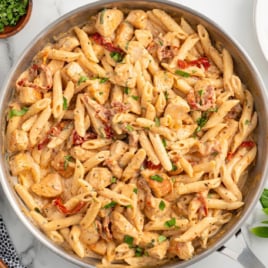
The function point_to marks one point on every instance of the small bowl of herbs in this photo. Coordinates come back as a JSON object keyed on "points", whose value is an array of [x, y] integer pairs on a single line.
{"points": [[14, 15]]}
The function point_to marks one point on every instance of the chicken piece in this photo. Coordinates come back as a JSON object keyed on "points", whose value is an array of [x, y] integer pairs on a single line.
{"points": [[184, 250], [68, 43], [159, 251], [18, 141], [125, 75], [144, 37], [121, 227], [99, 90], [63, 164], [29, 95], [123, 251], [148, 239], [108, 20], [161, 186], [137, 52], [178, 109], [163, 81], [138, 18], [90, 235], [124, 34], [99, 178], [24, 162], [73, 71], [100, 247], [50, 186]]}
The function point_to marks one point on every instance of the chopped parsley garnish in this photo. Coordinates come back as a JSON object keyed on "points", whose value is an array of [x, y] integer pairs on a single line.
{"points": [[174, 167], [129, 128], [126, 90], [164, 142], [135, 190], [67, 159], [14, 112], [103, 80], [162, 205], [157, 122], [247, 122], [135, 97], [170, 223], [166, 95], [65, 103], [110, 205], [11, 11], [182, 73], [201, 92], [161, 238], [116, 56], [201, 121], [82, 79], [113, 180], [156, 178], [139, 251], [129, 240]]}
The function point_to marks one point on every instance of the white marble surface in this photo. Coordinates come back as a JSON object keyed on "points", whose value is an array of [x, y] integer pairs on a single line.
{"points": [[234, 16]]}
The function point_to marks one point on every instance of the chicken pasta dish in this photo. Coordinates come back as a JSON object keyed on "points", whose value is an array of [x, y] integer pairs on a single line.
{"points": [[130, 137]]}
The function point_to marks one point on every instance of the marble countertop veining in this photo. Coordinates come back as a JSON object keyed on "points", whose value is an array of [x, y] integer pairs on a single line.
{"points": [[234, 16]]}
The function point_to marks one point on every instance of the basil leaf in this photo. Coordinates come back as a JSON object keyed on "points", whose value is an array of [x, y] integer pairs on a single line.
{"points": [[135, 97], [264, 198], [156, 178], [129, 128], [113, 180], [260, 231], [67, 159], [126, 90]]}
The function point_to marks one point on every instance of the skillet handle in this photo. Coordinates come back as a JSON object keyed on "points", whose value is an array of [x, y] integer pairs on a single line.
{"points": [[246, 257]]}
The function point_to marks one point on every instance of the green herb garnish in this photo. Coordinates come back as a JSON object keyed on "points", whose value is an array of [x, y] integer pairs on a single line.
{"points": [[201, 121], [67, 159], [139, 251], [174, 167], [129, 128], [116, 56], [126, 90], [157, 122], [14, 112], [170, 223], [156, 178], [161, 238], [110, 205], [82, 79], [262, 231], [164, 142], [135, 190], [65, 103], [103, 80], [129, 240], [162, 205], [113, 180], [11, 11], [182, 73], [135, 97], [247, 122]]}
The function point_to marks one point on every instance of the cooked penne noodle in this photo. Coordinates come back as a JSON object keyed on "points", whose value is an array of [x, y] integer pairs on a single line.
{"points": [[131, 134]]}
